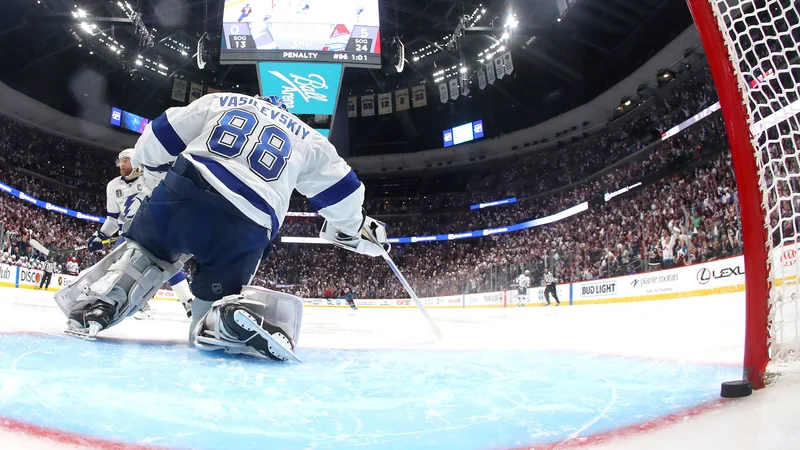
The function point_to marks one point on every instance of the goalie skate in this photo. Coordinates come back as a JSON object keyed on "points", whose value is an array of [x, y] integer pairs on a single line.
{"points": [[278, 344], [87, 334]]}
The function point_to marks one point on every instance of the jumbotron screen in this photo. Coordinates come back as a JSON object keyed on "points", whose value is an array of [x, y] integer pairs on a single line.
{"points": [[338, 31]]}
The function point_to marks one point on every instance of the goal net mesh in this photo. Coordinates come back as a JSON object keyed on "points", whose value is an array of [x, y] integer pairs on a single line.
{"points": [[762, 39]]}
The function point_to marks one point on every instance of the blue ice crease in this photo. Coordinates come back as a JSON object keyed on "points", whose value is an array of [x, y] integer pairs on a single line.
{"points": [[173, 396]]}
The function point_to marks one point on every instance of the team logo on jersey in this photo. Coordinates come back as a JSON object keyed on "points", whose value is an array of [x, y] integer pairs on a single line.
{"points": [[118, 193], [216, 288]]}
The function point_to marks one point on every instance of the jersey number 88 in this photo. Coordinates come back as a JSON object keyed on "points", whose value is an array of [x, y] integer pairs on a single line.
{"points": [[232, 134]]}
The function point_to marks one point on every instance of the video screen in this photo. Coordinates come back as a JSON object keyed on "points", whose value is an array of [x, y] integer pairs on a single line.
{"points": [[342, 31], [128, 120], [463, 133]]}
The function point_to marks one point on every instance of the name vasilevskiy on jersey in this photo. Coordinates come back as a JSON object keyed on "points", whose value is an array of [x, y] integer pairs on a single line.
{"points": [[295, 126]]}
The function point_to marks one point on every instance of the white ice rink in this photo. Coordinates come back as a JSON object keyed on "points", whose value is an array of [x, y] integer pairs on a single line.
{"points": [[627, 344]]}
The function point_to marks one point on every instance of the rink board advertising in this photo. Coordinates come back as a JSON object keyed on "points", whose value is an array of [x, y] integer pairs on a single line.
{"points": [[345, 32]]}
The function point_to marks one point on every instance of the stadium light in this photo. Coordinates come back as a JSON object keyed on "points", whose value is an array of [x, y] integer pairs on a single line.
{"points": [[463, 70], [504, 36], [81, 13], [86, 27]]}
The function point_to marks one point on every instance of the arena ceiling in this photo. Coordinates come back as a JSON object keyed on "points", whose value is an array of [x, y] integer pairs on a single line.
{"points": [[561, 58]]}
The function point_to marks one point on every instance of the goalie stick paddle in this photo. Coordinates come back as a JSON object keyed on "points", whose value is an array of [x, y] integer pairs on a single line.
{"points": [[407, 287]]}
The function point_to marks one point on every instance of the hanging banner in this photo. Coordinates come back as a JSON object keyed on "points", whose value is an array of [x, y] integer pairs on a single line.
{"points": [[499, 68], [385, 103], [508, 64], [418, 96], [443, 92], [490, 72], [368, 105], [401, 100], [213, 90], [179, 88], [481, 78], [195, 92], [352, 110], [453, 88], [465, 86]]}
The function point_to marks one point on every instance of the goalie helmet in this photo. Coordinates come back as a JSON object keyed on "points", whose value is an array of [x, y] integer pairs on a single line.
{"points": [[274, 100]]}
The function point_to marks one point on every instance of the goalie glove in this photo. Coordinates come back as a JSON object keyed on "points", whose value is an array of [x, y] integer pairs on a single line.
{"points": [[370, 241], [96, 241]]}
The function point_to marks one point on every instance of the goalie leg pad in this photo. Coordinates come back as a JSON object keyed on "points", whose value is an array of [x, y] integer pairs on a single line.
{"points": [[257, 322], [121, 283]]}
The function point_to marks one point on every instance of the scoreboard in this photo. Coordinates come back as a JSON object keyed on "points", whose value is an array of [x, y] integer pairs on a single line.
{"points": [[346, 32]]}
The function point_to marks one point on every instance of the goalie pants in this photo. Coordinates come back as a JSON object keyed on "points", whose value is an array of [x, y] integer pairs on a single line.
{"points": [[185, 215]]}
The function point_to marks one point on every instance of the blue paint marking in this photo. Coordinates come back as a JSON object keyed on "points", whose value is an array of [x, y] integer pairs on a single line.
{"points": [[173, 396]]}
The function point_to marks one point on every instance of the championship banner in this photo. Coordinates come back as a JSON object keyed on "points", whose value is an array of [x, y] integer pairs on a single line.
{"points": [[401, 100], [453, 88], [368, 105], [508, 64], [352, 110], [418, 96], [385, 103], [196, 92], [213, 90], [305, 88], [443, 92], [498, 66], [481, 78], [465, 86], [490, 72], [179, 88]]}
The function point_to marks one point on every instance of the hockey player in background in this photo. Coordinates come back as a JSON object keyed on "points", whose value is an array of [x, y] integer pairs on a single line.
{"points": [[523, 283], [346, 292], [229, 164], [550, 287], [124, 194]]}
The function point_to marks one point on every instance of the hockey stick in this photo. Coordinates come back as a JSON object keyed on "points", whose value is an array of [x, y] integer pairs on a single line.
{"points": [[407, 287], [79, 248]]}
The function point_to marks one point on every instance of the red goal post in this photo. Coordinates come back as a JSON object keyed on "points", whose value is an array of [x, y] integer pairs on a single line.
{"points": [[752, 49]]}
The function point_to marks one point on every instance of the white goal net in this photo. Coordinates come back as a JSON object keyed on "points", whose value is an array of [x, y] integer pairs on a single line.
{"points": [[761, 41]]}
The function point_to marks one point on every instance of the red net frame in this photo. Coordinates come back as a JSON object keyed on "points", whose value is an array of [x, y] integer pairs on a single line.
{"points": [[735, 114]]}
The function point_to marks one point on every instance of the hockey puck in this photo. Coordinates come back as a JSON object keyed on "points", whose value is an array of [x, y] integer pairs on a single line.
{"points": [[736, 389]]}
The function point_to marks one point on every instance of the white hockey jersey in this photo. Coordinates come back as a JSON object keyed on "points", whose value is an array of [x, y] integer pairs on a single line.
{"points": [[254, 154], [523, 281], [122, 202]]}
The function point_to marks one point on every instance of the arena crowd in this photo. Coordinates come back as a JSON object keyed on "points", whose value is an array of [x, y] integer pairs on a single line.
{"points": [[684, 212]]}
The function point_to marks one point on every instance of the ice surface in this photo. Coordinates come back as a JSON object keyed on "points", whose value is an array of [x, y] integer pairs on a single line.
{"points": [[500, 379]]}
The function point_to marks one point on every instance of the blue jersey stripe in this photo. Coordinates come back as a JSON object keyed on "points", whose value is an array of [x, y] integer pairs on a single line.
{"points": [[236, 185], [161, 168], [113, 215], [336, 193], [167, 136]]}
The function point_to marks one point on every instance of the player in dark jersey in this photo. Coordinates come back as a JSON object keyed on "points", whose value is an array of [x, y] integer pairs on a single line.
{"points": [[346, 292]]}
